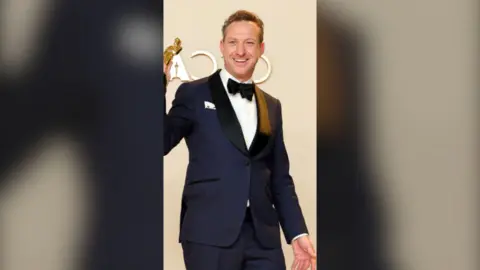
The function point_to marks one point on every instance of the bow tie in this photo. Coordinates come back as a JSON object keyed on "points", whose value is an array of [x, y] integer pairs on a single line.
{"points": [[245, 90]]}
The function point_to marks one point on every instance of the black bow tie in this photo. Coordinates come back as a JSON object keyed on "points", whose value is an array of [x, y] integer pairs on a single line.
{"points": [[245, 90]]}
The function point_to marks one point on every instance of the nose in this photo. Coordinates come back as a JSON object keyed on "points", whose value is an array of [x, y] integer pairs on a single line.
{"points": [[240, 50]]}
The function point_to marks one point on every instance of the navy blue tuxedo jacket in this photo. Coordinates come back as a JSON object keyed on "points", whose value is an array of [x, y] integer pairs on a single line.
{"points": [[223, 174]]}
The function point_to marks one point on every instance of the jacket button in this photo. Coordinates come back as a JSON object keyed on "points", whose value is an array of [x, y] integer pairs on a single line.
{"points": [[247, 162]]}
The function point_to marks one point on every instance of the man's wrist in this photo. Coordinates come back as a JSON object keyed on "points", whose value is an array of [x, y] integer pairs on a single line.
{"points": [[298, 236]]}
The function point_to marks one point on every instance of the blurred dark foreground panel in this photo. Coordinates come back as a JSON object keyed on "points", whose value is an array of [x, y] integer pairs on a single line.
{"points": [[89, 71], [348, 211]]}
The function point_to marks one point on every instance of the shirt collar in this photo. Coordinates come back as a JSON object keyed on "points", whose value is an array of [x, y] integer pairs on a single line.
{"points": [[225, 75]]}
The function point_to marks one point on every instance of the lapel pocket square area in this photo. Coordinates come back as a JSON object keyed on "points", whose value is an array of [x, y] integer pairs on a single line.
{"points": [[209, 105]]}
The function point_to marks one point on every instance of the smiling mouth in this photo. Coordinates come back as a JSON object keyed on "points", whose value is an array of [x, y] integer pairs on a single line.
{"points": [[241, 61]]}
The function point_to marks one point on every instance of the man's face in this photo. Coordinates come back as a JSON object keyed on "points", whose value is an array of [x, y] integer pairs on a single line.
{"points": [[241, 49]]}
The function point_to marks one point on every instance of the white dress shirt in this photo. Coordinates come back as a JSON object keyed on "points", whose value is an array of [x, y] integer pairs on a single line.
{"points": [[246, 112], [245, 109]]}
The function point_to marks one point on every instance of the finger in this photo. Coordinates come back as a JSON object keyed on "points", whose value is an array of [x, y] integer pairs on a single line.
{"points": [[303, 265], [312, 252], [294, 264], [314, 264], [166, 68]]}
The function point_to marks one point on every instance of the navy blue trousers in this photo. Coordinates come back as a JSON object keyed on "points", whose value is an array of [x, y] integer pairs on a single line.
{"points": [[245, 254]]}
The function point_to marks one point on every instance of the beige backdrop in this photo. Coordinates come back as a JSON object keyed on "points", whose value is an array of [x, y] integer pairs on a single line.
{"points": [[422, 92], [291, 49]]}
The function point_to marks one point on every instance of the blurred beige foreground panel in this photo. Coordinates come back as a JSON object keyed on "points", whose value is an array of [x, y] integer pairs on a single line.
{"points": [[22, 25], [422, 85], [43, 209]]}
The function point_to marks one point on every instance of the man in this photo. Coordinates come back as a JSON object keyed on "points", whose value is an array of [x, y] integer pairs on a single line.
{"points": [[238, 187]]}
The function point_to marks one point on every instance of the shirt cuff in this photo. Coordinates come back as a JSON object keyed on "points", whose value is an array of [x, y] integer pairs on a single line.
{"points": [[298, 236]]}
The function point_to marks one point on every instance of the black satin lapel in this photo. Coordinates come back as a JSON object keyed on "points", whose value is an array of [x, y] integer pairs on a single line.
{"points": [[264, 127], [226, 115]]}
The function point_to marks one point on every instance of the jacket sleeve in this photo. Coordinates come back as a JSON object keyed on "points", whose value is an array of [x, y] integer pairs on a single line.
{"points": [[179, 121], [285, 198]]}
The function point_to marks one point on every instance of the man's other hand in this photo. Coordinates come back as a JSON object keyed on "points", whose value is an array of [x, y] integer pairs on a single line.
{"points": [[304, 254]]}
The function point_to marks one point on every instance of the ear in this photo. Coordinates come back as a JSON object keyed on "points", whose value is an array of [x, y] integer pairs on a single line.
{"points": [[262, 48], [221, 46]]}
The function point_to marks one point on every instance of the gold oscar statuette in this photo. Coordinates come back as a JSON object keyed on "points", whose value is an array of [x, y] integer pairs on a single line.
{"points": [[172, 50]]}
